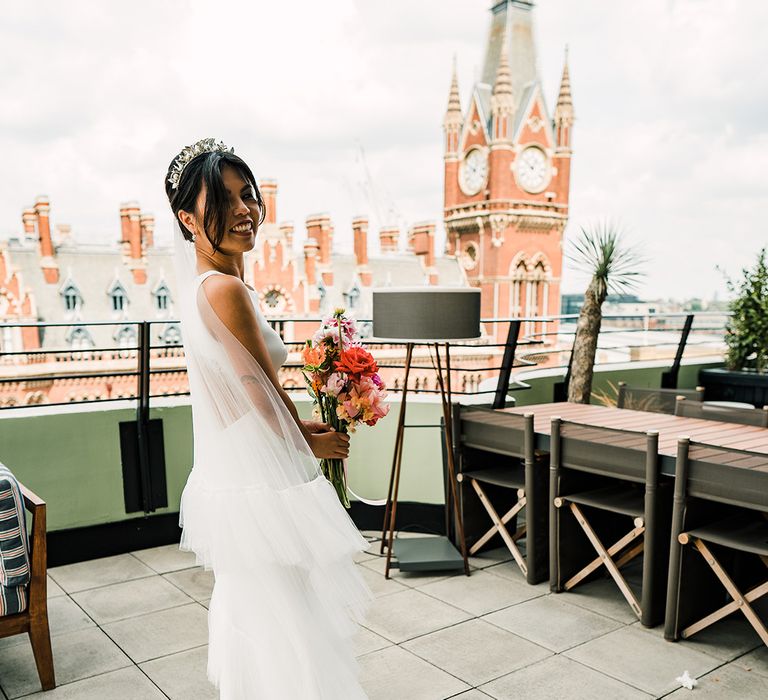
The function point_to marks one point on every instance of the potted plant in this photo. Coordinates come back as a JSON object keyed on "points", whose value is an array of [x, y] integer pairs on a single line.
{"points": [[613, 267], [745, 375]]}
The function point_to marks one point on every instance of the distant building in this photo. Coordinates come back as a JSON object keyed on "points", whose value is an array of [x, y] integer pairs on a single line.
{"points": [[507, 180], [47, 276]]}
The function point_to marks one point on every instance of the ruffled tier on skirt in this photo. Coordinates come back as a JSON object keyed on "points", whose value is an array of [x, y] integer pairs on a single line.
{"points": [[288, 597]]}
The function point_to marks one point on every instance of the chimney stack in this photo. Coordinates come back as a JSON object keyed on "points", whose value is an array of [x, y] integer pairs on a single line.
{"points": [[310, 271], [320, 228], [389, 238], [268, 189], [422, 239], [125, 230], [286, 231], [360, 234], [132, 224], [29, 217], [147, 222], [47, 262]]}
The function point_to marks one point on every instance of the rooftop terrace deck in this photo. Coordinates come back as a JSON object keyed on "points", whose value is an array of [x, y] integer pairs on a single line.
{"points": [[134, 626]]}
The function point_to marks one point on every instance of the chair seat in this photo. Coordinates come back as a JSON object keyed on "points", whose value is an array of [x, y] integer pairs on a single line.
{"points": [[740, 532], [620, 498], [510, 478]]}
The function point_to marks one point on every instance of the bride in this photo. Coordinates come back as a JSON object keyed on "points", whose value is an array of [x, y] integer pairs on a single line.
{"points": [[256, 509]]}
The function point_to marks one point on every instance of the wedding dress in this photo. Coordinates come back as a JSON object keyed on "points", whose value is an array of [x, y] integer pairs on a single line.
{"points": [[257, 510]]}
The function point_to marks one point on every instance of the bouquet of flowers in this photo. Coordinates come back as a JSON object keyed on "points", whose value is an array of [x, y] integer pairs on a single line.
{"points": [[343, 380]]}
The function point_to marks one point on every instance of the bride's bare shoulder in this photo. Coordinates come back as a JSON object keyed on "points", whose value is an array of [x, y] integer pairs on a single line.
{"points": [[228, 294]]}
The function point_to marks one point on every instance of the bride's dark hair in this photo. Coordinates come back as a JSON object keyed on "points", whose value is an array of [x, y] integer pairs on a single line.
{"points": [[206, 169]]}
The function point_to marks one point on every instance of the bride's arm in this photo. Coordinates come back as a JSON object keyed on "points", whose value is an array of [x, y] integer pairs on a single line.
{"points": [[231, 302]]}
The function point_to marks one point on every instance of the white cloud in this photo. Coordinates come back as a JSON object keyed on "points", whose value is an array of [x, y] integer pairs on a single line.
{"points": [[670, 98]]}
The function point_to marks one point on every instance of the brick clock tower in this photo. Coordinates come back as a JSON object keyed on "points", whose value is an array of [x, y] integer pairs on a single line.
{"points": [[507, 176]]}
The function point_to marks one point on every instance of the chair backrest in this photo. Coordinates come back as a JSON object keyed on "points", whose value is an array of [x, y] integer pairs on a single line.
{"points": [[722, 474], [15, 567], [624, 454], [725, 414], [654, 400], [497, 431]]}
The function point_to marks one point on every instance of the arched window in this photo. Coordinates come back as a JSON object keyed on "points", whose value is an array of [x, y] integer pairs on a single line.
{"points": [[125, 336], [80, 339], [272, 299], [323, 292], [172, 335]]}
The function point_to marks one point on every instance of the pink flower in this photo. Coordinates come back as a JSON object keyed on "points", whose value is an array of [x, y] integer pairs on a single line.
{"points": [[329, 330], [334, 384]]}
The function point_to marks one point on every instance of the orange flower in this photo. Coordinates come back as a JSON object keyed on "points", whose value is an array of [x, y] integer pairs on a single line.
{"points": [[357, 361], [313, 356]]}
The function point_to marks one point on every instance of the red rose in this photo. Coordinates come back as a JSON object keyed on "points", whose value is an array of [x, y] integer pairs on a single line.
{"points": [[357, 361]]}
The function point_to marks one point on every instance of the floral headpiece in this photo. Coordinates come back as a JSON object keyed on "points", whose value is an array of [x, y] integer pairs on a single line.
{"points": [[189, 152]]}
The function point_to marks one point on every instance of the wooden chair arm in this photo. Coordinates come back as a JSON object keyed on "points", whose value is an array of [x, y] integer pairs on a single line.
{"points": [[38, 547], [31, 499]]}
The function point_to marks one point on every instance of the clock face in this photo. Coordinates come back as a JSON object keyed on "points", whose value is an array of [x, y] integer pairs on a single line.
{"points": [[533, 172], [474, 171]]}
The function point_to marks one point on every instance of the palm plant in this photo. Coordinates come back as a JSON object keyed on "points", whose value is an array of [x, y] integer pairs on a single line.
{"points": [[613, 267]]}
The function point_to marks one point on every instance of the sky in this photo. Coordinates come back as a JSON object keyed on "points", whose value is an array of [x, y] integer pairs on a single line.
{"points": [[342, 103]]}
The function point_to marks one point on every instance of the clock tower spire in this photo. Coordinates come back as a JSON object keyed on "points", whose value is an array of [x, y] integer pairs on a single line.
{"points": [[507, 176], [452, 125]]}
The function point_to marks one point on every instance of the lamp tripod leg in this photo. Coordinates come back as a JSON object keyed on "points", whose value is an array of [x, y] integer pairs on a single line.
{"points": [[394, 479], [448, 437]]}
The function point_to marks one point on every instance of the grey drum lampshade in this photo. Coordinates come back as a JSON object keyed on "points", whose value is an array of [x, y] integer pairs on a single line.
{"points": [[426, 313]]}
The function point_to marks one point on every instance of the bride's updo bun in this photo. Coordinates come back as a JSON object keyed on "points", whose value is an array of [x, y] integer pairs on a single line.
{"points": [[205, 170]]}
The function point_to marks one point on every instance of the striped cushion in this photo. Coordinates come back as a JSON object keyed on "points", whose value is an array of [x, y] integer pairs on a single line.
{"points": [[14, 546]]}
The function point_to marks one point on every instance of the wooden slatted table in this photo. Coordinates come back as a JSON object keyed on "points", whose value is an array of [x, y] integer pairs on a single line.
{"points": [[670, 428]]}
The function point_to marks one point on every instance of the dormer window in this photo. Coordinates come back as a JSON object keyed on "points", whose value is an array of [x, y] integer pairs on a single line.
{"points": [[71, 297], [119, 300], [353, 297], [118, 297], [162, 297], [322, 293]]}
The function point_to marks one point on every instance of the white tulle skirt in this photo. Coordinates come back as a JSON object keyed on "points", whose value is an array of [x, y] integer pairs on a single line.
{"points": [[287, 598]]}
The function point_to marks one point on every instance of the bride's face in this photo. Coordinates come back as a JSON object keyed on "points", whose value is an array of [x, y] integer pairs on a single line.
{"points": [[243, 214]]}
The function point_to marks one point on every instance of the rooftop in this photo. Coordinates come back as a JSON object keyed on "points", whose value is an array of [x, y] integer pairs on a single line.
{"points": [[135, 625]]}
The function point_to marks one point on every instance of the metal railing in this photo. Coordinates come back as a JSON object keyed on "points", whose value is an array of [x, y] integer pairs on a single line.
{"points": [[127, 371]]}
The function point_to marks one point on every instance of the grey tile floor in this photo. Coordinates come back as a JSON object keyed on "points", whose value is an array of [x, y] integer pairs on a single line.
{"points": [[134, 626]]}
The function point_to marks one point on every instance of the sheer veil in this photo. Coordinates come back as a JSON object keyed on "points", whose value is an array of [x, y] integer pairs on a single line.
{"points": [[230, 389], [257, 510]]}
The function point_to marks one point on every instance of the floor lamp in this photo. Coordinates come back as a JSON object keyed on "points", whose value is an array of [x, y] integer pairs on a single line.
{"points": [[433, 316]]}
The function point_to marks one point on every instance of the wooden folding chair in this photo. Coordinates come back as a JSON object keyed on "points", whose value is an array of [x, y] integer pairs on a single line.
{"points": [[724, 414], [603, 480], [654, 400], [706, 477], [515, 466]]}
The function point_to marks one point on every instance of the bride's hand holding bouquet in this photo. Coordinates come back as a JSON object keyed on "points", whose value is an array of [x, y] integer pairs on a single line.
{"points": [[342, 377]]}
